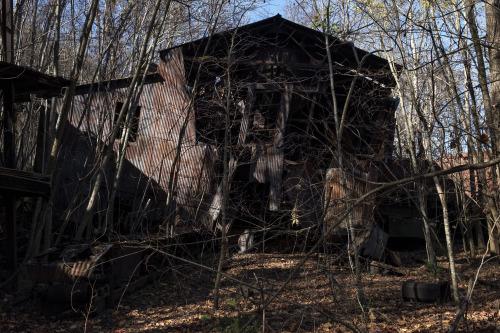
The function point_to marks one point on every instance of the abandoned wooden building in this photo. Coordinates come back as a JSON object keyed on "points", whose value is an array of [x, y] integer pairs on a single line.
{"points": [[255, 104], [21, 171]]}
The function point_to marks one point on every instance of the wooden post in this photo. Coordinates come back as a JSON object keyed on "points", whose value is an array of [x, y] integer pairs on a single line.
{"points": [[9, 121], [7, 35], [9, 125]]}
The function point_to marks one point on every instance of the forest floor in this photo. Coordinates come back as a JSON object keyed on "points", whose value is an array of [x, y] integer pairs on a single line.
{"points": [[181, 300]]}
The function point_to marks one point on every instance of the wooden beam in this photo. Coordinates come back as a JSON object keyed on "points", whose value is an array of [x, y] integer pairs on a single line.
{"points": [[9, 121], [24, 183]]}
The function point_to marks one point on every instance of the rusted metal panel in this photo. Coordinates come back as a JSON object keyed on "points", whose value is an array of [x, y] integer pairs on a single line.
{"points": [[358, 183], [168, 150], [86, 274], [246, 109], [258, 168], [68, 267], [85, 261], [91, 121], [372, 243], [166, 115], [173, 99]]}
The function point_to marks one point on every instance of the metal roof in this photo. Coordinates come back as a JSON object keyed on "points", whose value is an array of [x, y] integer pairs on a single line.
{"points": [[343, 51], [28, 81]]}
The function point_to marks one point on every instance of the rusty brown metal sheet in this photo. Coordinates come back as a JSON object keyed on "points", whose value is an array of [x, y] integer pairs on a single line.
{"points": [[358, 183], [67, 267], [275, 152], [258, 166], [80, 261], [166, 112]]}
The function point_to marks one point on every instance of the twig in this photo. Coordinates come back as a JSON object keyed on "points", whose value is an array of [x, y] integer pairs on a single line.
{"points": [[333, 317]]}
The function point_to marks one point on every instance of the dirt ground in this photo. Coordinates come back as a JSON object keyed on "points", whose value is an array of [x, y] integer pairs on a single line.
{"points": [[182, 301]]}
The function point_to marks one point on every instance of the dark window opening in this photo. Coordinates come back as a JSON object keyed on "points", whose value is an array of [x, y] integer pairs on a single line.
{"points": [[265, 112], [133, 125]]}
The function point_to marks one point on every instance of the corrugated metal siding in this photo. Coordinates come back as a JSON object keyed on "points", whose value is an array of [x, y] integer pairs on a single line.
{"points": [[173, 103], [275, 152], [164, 108], [358, 183]]}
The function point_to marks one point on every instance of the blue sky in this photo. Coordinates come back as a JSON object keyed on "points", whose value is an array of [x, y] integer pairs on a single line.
{"points": [[276, 7], [271, 8]]}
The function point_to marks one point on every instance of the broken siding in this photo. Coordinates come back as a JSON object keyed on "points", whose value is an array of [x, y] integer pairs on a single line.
{"points": [[358, 183], [173, 98], [165, 109], [190, 162], [267, 156], [275, 152]]}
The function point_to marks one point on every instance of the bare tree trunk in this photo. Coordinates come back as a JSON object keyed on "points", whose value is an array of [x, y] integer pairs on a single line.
{"points": [[350, 227], [449, 240], [493, 114], [441, 193], [421, 200], [33, 32], [226, 174], [47, 239], [122, 150]]}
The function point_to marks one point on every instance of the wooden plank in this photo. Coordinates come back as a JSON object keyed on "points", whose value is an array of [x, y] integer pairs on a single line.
{"points": [[9, 124], [40, 142], [8, 172], [24, 183]]}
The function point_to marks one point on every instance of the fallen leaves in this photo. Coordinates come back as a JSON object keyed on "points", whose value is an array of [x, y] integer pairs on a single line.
{"points": [[182, 302]]}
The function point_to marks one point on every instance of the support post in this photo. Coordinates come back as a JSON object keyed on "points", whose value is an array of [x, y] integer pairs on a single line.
{"points": [[9, 121], [6, 32]]}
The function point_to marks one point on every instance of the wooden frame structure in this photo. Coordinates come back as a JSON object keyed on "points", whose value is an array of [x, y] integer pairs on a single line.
{"points": [[17, 83]]}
